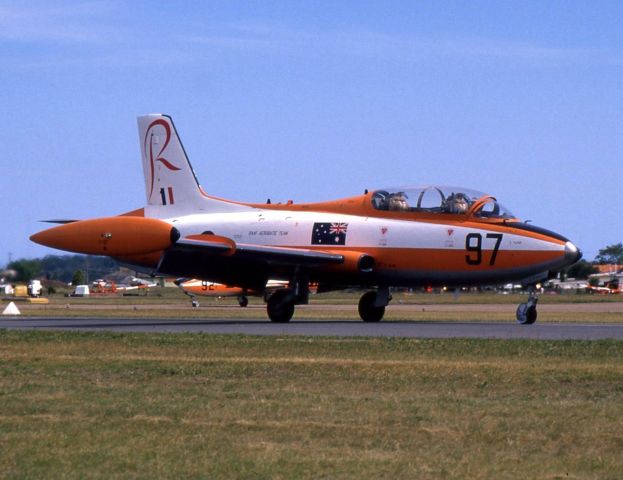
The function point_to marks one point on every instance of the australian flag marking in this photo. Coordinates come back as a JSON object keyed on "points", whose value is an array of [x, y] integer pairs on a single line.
{"points": [[329, 234]]}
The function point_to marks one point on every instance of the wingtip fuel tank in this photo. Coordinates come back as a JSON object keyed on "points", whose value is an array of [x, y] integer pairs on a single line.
{"points": [[112, 236]]}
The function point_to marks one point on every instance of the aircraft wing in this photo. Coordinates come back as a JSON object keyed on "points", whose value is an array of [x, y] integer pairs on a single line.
{"points": [[220, 259], [209, 244], [223, 246]]}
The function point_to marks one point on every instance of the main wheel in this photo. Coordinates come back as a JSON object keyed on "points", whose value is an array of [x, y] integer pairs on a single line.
{"points": [[526, 315], [279, 307], [367, 311], [243, 301]]}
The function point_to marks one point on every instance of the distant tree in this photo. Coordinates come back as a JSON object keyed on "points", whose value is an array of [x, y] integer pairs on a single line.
{"points": [[62, 267], [26, 269], [612, 254], [78, 278], [580, 270]]}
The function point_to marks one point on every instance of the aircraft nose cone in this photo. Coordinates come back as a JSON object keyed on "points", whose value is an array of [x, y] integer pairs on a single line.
{"points": [[572, 253], [47, 238]]}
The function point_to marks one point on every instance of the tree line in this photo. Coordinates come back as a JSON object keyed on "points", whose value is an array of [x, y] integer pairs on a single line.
{"points": [[62, 267]]}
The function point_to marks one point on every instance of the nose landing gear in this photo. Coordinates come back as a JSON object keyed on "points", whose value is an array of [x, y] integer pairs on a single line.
{"points": [[526, 312]]}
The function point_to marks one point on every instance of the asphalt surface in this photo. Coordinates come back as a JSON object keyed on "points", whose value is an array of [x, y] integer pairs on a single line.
{"points": [[546, 331]]}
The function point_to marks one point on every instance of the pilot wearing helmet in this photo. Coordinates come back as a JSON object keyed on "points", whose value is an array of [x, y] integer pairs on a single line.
{"points": [[398, 201], [456, 203]]}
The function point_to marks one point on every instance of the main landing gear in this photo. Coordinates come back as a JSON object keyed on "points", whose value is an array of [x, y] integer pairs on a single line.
{"points": [[526, 312], [372, 304], [280, 305]]}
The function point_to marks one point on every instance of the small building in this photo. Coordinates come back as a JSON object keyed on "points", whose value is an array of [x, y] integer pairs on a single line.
{"points": [[35, 289], [610, 269], [81, 291], [570, 284]]}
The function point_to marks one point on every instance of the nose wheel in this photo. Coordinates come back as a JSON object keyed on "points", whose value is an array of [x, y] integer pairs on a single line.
{"points": [[526, 312]]}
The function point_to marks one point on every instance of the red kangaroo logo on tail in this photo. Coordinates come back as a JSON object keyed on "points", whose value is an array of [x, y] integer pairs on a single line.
{"points": [[158, 158]]}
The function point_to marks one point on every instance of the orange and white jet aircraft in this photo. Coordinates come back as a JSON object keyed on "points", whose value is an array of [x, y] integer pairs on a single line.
{"points": [[416, 236], [204, 288]]}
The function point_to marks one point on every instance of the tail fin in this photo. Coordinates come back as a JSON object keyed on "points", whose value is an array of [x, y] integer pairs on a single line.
{"points": [[171, 186]]}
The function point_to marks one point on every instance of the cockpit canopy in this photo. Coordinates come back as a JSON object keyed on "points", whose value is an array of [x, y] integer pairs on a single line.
{"points": [[439, 199]]}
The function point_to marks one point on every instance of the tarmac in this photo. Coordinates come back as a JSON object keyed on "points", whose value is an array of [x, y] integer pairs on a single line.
{"points": [[322, 328]]}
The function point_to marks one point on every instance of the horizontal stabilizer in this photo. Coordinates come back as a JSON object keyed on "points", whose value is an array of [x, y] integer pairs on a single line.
{"points": [[59, 221]]}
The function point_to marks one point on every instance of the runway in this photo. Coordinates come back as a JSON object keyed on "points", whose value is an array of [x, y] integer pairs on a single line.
{"points": [[320, 328]]}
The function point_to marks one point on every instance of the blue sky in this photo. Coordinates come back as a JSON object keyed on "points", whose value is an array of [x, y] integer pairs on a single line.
{"points": [[315, 100]]}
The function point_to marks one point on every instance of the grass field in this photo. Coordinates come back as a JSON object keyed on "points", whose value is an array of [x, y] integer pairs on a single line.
{"points": [[171, 303], [86, 405]]}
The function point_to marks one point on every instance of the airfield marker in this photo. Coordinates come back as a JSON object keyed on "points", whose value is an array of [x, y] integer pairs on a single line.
{"points": [[11, 309]]}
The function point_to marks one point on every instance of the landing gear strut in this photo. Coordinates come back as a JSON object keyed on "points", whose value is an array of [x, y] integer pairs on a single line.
{"points": [[372, 304], [280, 305], [526, 312]]}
